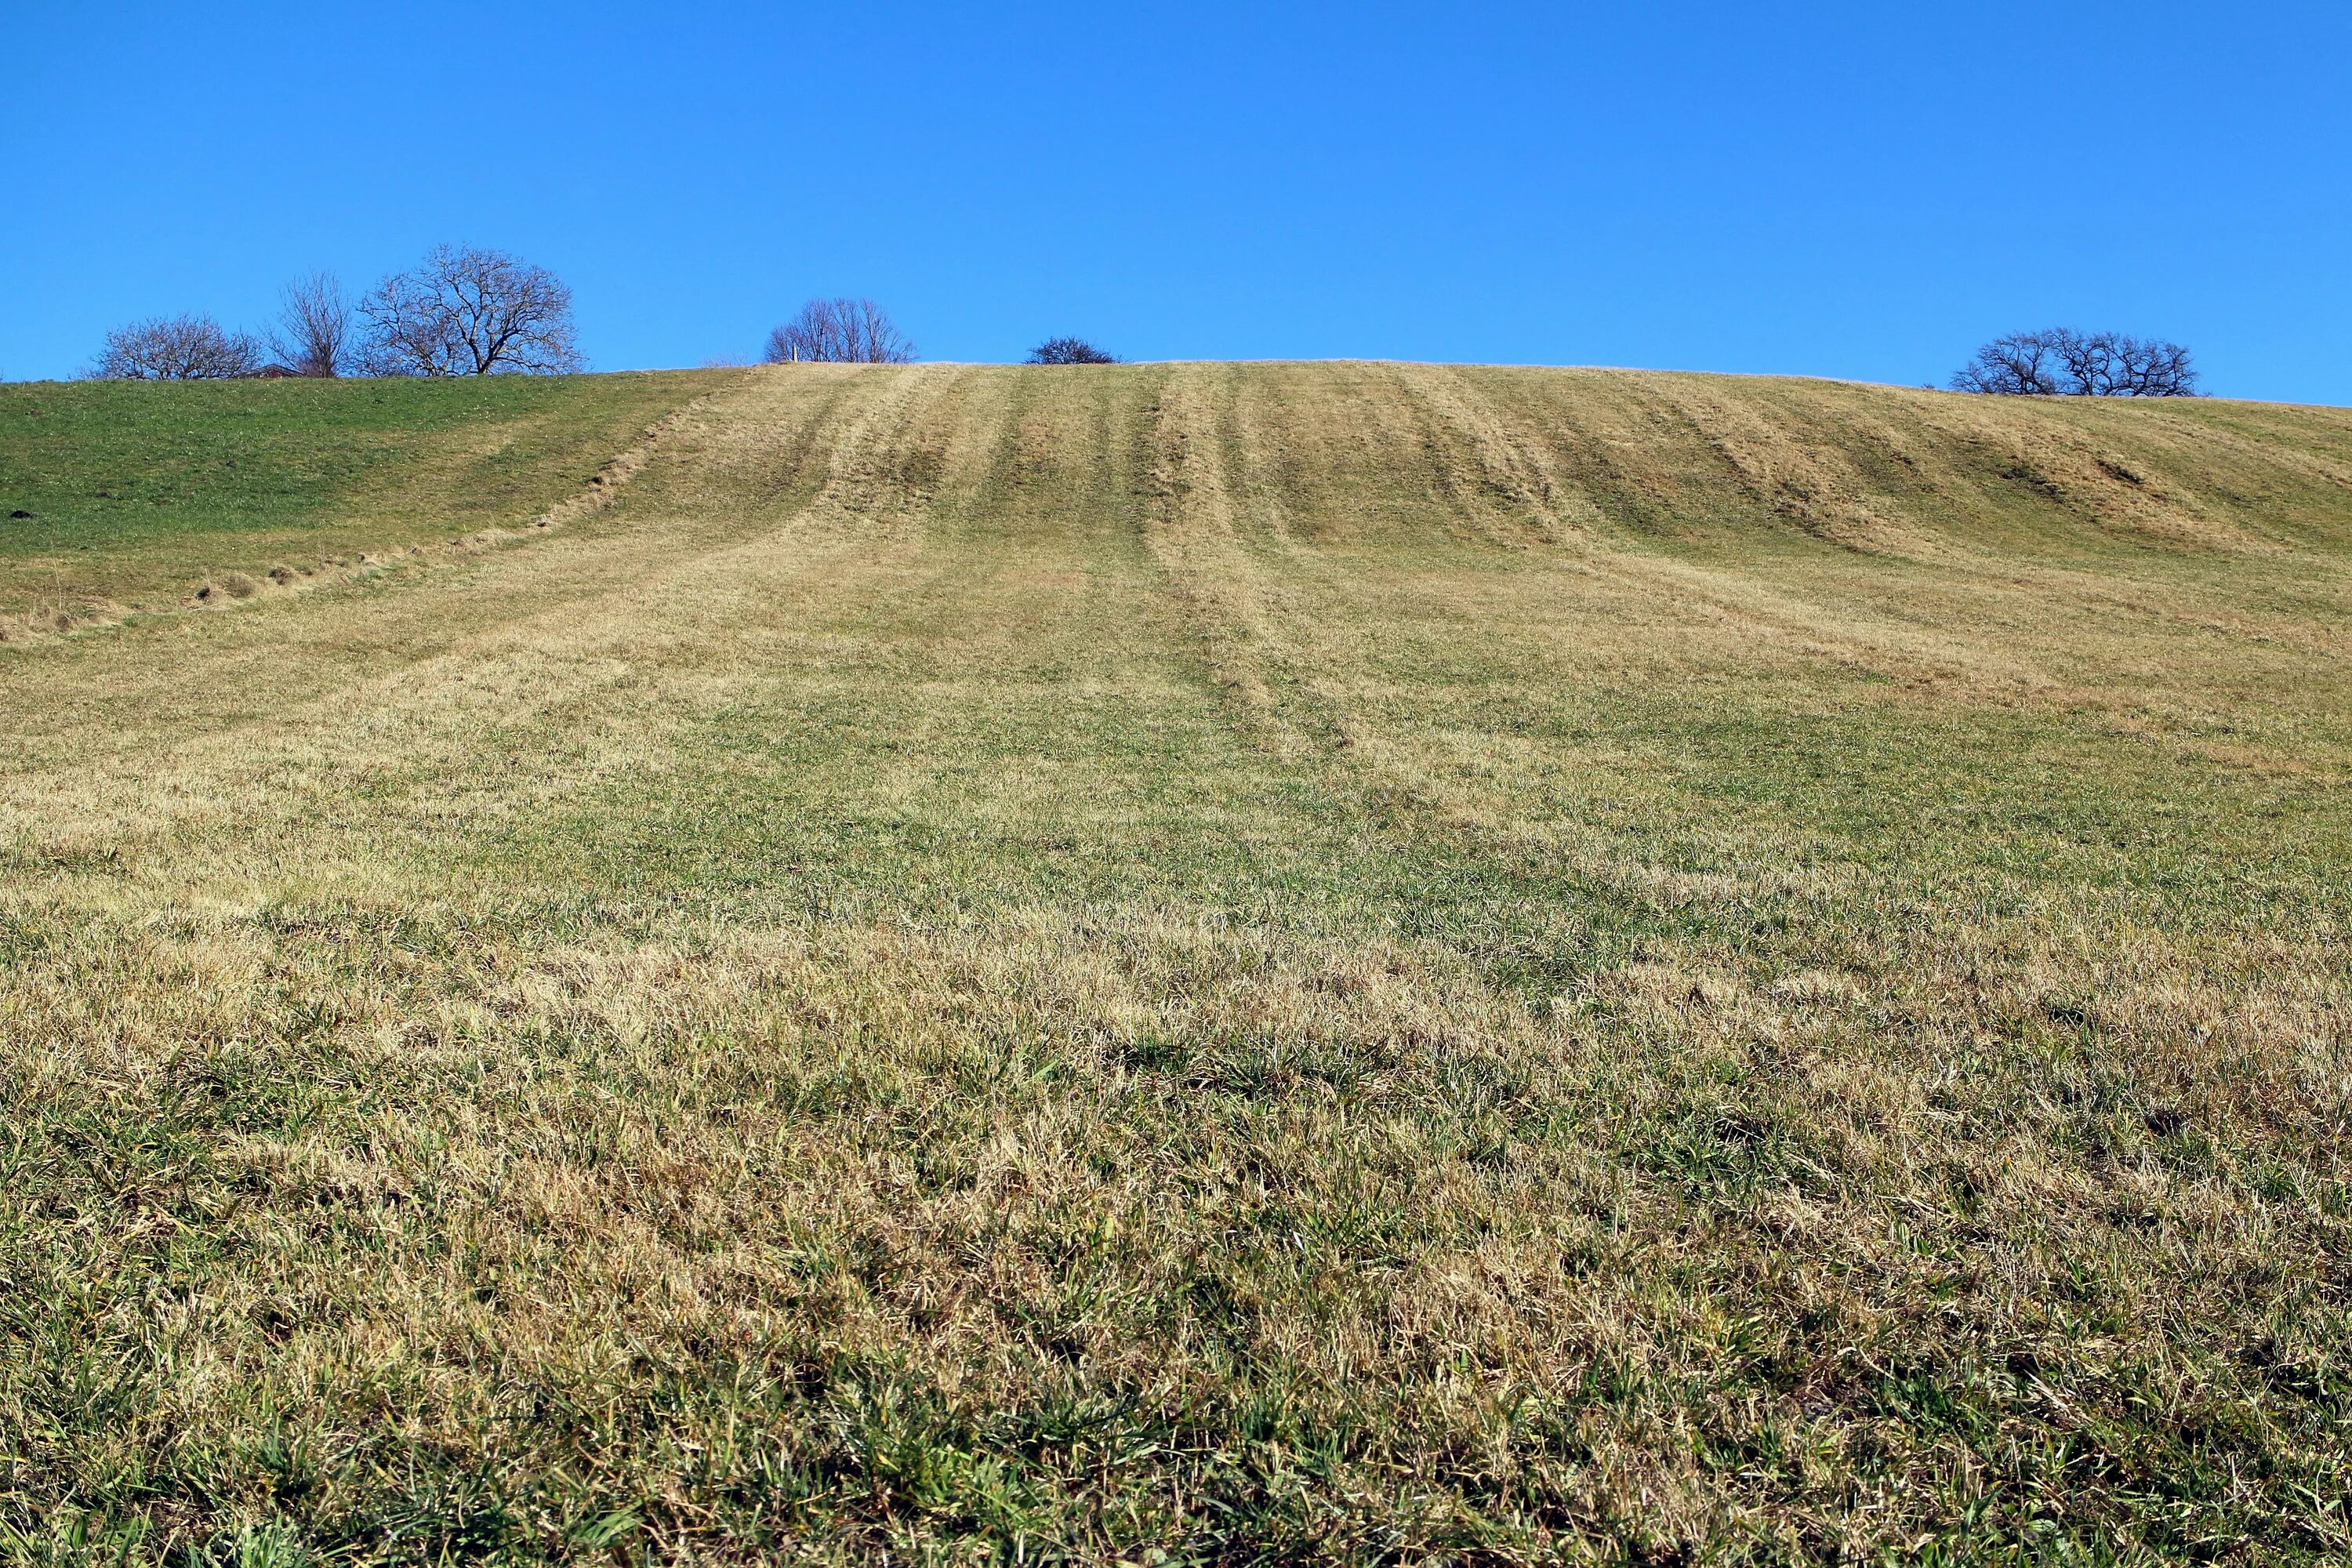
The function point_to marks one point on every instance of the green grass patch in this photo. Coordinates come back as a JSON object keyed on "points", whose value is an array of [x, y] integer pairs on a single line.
{"points": [[135, 490]]}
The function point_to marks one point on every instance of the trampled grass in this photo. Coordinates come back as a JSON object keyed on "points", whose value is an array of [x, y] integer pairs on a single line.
{"points": [[1210, 964]]}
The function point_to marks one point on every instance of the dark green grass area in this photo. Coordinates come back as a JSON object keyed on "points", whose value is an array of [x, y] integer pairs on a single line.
{"points": [[135, 490]]}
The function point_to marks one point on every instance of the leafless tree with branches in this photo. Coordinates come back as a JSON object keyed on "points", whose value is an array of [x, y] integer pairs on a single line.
{"points": [[2113, 364], [2061, 361], [176, 348], [469, 312], [2022, 364], [840, 331], [314, 334]]}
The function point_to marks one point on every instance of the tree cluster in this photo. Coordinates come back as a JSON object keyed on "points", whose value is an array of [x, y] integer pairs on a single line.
{"points": [[840, 331], [463, 311], [2061, 361]]}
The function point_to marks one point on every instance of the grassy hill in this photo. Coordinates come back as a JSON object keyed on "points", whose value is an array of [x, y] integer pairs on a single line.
{"points": [[134, 494], [1273, 962]]}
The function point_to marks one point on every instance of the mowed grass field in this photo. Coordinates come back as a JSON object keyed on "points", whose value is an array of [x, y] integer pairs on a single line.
{"points": [[1184, 964], [121, 494]]}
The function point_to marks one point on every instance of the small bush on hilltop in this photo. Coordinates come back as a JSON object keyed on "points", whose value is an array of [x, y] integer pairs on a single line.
{"points": [[176, 348], [1069, 350]]}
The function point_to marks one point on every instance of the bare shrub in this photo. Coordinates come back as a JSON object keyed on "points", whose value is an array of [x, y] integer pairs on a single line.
{"points": [[314, 334], [469, 312], [176, 348], [2061, 361], [840, 331], [1070, 351]]}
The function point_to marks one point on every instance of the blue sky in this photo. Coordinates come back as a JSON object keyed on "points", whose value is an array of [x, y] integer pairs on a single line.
{"points": [[1845, 190]]}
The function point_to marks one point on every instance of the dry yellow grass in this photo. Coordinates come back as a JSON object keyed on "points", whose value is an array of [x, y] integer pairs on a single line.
{"points": [[1287, 962]]}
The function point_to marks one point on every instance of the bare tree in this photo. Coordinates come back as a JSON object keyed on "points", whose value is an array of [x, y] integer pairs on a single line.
{"points": [[1069, 350], [2158, 369], [2061, 361], [840, 331], [176, 348], [2113, 364], [2022, 364], [469, 312], [313, 335]]}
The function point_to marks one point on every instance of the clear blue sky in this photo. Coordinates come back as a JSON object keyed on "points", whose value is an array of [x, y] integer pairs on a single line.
{"points": [[1848, 190]]}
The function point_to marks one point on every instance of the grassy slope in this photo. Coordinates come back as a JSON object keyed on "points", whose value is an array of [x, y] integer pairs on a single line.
{"points": [[138, 493], [1319, 961]]}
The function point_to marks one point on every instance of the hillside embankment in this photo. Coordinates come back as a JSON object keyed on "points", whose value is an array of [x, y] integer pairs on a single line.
{"points": [[1267, 963]]}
